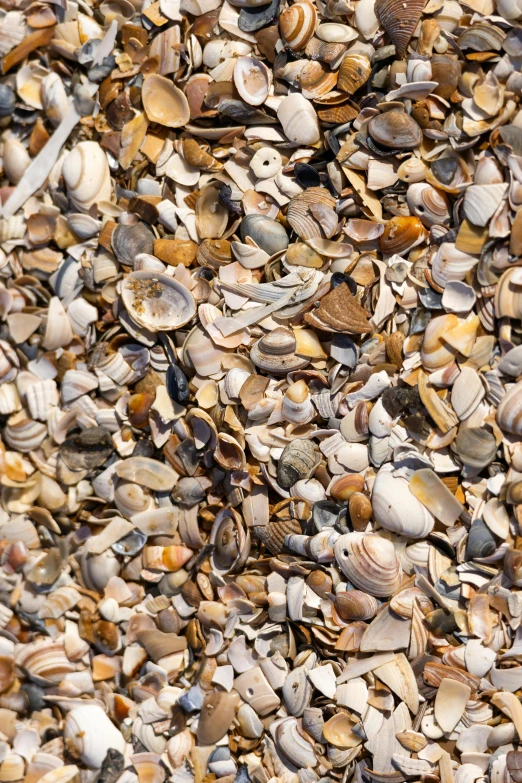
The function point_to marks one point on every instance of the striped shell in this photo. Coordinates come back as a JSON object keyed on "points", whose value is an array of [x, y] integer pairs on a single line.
{"points": [[297, 24], [435, 353], [400, 19], [509, 413], [369, 562], [299, 215]]}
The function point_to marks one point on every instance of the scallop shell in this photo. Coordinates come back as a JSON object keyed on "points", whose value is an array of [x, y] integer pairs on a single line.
{"points": [[400, 20], [509, 412], [156, 301], [369, 562], [354, 72], [297, 24], [390, 496], [164, 103], [86, 175], [252, 79], [275, 352]]}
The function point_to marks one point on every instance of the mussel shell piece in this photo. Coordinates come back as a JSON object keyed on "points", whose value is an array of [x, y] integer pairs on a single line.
{"points": [[395, 130], [157, 302], [295, 463]]}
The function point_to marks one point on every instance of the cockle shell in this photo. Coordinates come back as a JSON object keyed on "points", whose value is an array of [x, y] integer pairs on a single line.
{"points": [[163, 102], [86, 175], [369, 562], [354, 72], [297, 24], [390, 496], [355, 605], [395, 129], [157, 302]]}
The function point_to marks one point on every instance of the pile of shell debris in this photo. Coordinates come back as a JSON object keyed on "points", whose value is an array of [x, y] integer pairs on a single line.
{"points": [[260, 391]]}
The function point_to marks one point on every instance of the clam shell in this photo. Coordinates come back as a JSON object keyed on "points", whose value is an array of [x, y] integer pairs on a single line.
{"points": [[231, 542], [268, 234], [399, 21], [476, 447], [401, 234], [435, 353], [298, 118], [276, 352], [252, 79], [395, 129], [296, 462], [369, 562], [333, 32], [467, 392], [355, 605], [509, 412], [297, 24], [427, 203], [390, 496], [508, 295], [156, 301], [293, 745], [91, 733], [299, 211], [164, 103], [354, 72], [86, 175]]}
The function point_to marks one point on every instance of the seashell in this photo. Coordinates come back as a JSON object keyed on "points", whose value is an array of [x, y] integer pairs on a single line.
{"points": [[360, 510], [334, 32], [293, 745], [295, 463], [445, 70], [16, 160], [509, 412], [275, 352], [88, 450], [399, 22], [395, 129], [435, 352], [45, 661], [467, 392], [166, 558], [148, 767], [427, 203], [450, 703], [435, 495], [156, 301], [86, 175], [390, 495], [179, 747], [513, 566], [268, 234], [412, 170], [401, 234], [266, 163], [355, 605], [326, 52], [252, 79], [24, 434], [274, 534], [316, 80], [40, 398], [147, 472], [163, 102], [342, 487], [297, 115], [508, 295], [196, 156], [231, 542], [339, 311], [211, 216], [369, 562], [297, 24], [338, 731], [297, 689], [89, 733], [354, 72], [476, 447], [300, 209], [511, 362]]}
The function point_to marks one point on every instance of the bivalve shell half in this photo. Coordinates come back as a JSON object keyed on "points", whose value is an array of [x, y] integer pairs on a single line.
{"points": [[395, 129], [427, 203], [164, 103], [275, 352], [508, 295], [156, 301], [298, 118], [297, 24], [390, 497], [252, 79], [354, 72], [89, 733], [86, 175], [400, 19], [369, 562], [509, 412]]}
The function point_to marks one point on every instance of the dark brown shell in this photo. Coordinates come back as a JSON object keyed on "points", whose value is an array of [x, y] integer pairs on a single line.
{"points": [[355, 71], [400, 19]]}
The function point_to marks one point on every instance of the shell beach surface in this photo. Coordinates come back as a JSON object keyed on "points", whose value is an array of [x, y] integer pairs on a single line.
{"points": [[260, 391]]}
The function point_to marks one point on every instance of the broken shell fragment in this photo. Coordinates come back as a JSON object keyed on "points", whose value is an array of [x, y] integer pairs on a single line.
{"points": [[156, 301]]}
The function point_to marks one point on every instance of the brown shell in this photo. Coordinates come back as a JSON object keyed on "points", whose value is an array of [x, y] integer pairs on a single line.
{"points": [[297, 24], [400, 19], [323, 50], [401, 234], [273, 534], [317, 80], [299, 215], [340, 311], [198, 157], [338, 115], [395, 129], [445, 69], [354, 72], [355, 605], [360, 510]]}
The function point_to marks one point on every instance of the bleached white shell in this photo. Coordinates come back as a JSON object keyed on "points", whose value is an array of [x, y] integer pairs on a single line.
{"points": [[90, 732], [396, 508], [252, 79], [333, 32], [299, 120], [86, 174]]}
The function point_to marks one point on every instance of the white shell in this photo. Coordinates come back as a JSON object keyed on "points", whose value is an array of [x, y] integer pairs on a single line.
{"points": [[86, 174], [157, 302], [90, 732], [390, 498], [299, 120], [332, 32], [252, 79]]}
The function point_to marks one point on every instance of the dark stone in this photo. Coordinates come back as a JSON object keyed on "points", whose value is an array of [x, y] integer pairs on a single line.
{"points": [[90, 449], [253, 19]]}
